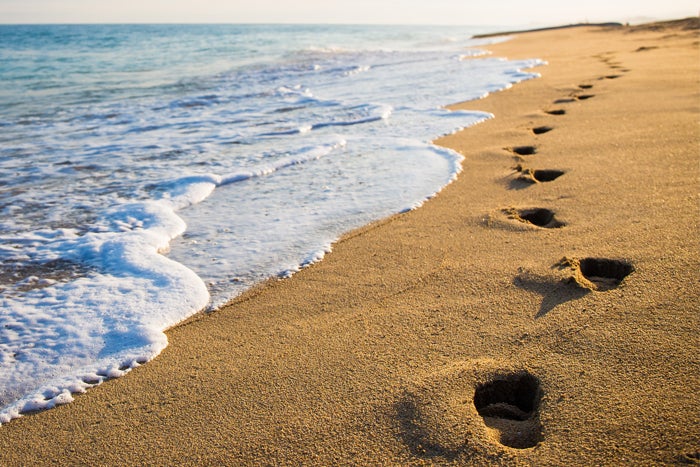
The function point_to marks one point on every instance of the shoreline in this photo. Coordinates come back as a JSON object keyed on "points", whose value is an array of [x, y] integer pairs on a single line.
{"points": [[549, 28], [374, 355]]}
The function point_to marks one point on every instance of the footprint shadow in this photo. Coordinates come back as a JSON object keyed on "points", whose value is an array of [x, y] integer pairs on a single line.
{"points": [[553, 292], [416, 437], [518, 184]]}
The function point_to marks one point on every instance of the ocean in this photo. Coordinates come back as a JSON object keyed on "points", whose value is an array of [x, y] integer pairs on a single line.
{"points": [[151, 172]]}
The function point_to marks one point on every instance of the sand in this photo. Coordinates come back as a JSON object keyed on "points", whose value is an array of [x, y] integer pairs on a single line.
{"points": [[460, 333]]}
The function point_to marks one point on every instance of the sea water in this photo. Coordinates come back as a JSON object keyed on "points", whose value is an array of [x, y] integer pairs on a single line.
{"points": [[150, 172]]}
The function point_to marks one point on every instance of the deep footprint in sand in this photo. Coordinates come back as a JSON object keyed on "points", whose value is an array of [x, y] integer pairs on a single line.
{"points": [[546, 175], [539, 175], [568, 100], [556, 112], [523, 150], [540, 130], [600, 274], [471, 412], [540, 217], [605, 273], [509, 404], [522, 219]]}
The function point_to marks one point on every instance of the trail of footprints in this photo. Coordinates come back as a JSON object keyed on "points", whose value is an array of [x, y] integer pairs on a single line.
{"points": [[505, 398]]}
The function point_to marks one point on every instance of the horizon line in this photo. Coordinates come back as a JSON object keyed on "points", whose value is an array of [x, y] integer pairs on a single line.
{"points": [[530, 24]]}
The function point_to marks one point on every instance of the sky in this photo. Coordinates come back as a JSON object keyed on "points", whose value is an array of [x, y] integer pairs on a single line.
{"points": [[461, 12]]}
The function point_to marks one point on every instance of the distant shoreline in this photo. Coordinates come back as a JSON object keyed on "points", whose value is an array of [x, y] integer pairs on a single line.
{"points": [[689, 23], [549, 28]]}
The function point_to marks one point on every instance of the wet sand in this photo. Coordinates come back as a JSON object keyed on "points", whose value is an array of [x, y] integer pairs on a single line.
{"points": [[517, 318]]}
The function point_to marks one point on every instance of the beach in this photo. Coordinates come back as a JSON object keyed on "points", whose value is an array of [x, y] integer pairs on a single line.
{"points": [[460, 332]]}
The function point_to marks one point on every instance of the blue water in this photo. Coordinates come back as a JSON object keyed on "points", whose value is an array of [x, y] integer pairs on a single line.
{"points": [[151, 172]]}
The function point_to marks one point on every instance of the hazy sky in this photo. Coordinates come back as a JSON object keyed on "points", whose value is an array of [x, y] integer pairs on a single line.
{"points": [[476, 12]]}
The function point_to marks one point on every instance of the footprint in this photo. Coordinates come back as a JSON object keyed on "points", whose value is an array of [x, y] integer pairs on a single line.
{"points": [[542, 129], [556, 112], [523, 150], [546, 175], [540, 217], [605, 273], [508, 403], [472, 412], [585, 86], [600, 274], [689, 458], [539, 175], [522, 219], [568, 100], [610, 77], [613, 64]]}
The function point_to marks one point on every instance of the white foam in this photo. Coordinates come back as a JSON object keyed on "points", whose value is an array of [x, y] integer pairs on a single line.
{"points": [[98, 326]]}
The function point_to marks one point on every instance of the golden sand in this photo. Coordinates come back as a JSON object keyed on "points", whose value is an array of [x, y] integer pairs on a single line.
{"points": [[516, 319]]}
